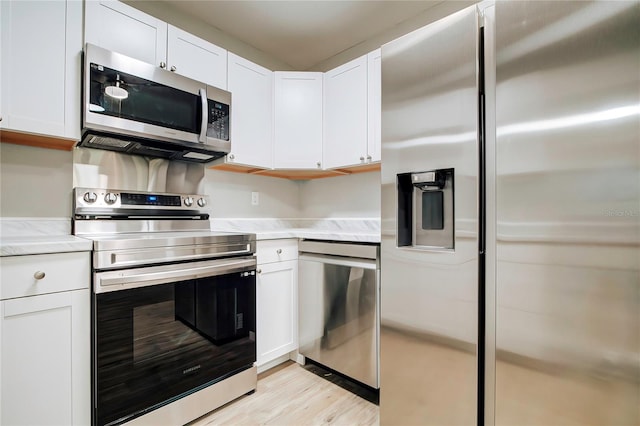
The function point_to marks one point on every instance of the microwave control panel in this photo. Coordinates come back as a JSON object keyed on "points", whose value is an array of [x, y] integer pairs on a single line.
{"points": [[218, 124]]}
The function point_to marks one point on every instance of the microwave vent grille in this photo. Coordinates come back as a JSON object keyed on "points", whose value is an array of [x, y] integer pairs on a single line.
{"points": [[109, 142]]}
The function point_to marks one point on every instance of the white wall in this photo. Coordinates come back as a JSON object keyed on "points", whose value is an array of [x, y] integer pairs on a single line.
{"points": [[35, 182], [352, 196], [168, 13], [230, 195], [428, 16]]}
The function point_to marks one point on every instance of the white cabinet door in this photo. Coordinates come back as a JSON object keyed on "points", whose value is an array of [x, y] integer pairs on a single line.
{"points": [[277, 310], [345, 114], [374, 82], [45, 359], [297, 120], [251, 88], [41, 51], [3, 122], [196, 58], [124, 29]]}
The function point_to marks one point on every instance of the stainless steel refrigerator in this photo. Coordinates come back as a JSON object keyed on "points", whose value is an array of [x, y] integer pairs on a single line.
{"points": [[510, 256]]}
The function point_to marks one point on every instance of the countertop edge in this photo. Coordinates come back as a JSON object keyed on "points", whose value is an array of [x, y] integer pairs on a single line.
{"points": [[33, 245]]}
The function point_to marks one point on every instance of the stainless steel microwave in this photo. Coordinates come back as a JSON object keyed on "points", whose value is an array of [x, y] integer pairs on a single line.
{"points": [[137, 108]]}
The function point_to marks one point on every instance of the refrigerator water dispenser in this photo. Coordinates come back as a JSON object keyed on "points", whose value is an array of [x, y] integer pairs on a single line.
{"points": [[425, 209]]}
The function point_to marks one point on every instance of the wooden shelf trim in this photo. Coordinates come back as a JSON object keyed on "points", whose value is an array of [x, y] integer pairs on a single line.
{"points": [[296, 174], [51, 142], [40, 141]]}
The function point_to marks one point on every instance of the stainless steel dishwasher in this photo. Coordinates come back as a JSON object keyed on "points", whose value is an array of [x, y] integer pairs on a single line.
{"points": [[339, 307]]}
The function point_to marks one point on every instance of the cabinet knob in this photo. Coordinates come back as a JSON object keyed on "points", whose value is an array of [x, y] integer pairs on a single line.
{"points": [[279, 251], [259, 271], [361, 158], [0, 118], [163, 65], [369, 158], [39, 275], [319, 164], [173, 68], [231, 156]]}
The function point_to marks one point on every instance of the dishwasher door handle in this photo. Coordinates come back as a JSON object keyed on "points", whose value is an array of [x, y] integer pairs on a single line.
{"points": [[342, 261]]}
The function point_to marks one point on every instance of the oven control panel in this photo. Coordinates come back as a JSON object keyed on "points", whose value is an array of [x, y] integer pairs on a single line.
{"points": [[93, 199]]}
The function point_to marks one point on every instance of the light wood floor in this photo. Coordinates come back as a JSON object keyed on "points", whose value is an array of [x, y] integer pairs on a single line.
{"points": [[290, 395]]}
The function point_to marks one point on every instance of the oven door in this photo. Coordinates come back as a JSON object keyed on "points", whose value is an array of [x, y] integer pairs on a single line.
{"points": [[165, 331]]}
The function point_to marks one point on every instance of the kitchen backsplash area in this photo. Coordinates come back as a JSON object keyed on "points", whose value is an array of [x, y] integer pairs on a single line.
{"points": [[29, 176], [35, 182]]}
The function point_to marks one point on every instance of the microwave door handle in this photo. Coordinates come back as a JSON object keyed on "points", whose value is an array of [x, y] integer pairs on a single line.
{"points": [[205, 115]]}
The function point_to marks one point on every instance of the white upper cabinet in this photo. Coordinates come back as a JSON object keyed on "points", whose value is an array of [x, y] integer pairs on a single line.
{"points": [[352, 102], [124, 29], [251, 88], [374, 91], [196, 58], [41, 56], [298, 120], [345, 114]]}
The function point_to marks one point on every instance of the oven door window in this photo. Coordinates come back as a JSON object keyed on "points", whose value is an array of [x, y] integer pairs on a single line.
{"points": [[158, 342]]}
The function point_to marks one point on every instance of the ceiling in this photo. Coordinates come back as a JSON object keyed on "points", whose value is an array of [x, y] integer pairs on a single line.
{"points": [[302, 33]]}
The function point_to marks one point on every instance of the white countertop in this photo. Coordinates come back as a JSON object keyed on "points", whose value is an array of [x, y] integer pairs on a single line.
{"points": [[21, 236], [316, 234], [349, 229], [26, 236], [42, 244]]}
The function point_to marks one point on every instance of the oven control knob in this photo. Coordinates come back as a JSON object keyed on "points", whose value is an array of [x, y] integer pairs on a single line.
{"points": [[202, 202], [110, 198], [188, 201], [90, 197]]}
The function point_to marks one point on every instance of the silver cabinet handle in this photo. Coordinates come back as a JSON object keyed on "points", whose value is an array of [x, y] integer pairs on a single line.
{"points": [[231, 156], [361, 158], [279, 251], [39, 275], [163, 65], [319, 164], [368, 158], [173, 68], [259, 271]]}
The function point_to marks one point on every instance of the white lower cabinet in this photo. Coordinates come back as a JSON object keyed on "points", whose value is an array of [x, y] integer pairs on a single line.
{"points": [[276, 301], [45, 340]]}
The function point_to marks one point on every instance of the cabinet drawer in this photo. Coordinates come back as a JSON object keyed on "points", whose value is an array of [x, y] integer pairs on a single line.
{"points": [[276, 250], [57, 272]]}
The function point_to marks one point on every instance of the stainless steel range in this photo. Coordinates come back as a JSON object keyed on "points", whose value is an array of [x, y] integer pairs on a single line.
{"points": [[173, 309]]}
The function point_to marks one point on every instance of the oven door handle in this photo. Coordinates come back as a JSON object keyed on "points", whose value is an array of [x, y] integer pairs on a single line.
{"points": [[141, 277]]}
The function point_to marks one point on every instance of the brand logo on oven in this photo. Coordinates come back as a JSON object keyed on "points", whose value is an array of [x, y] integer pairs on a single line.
{"points": [[191, 369]]}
